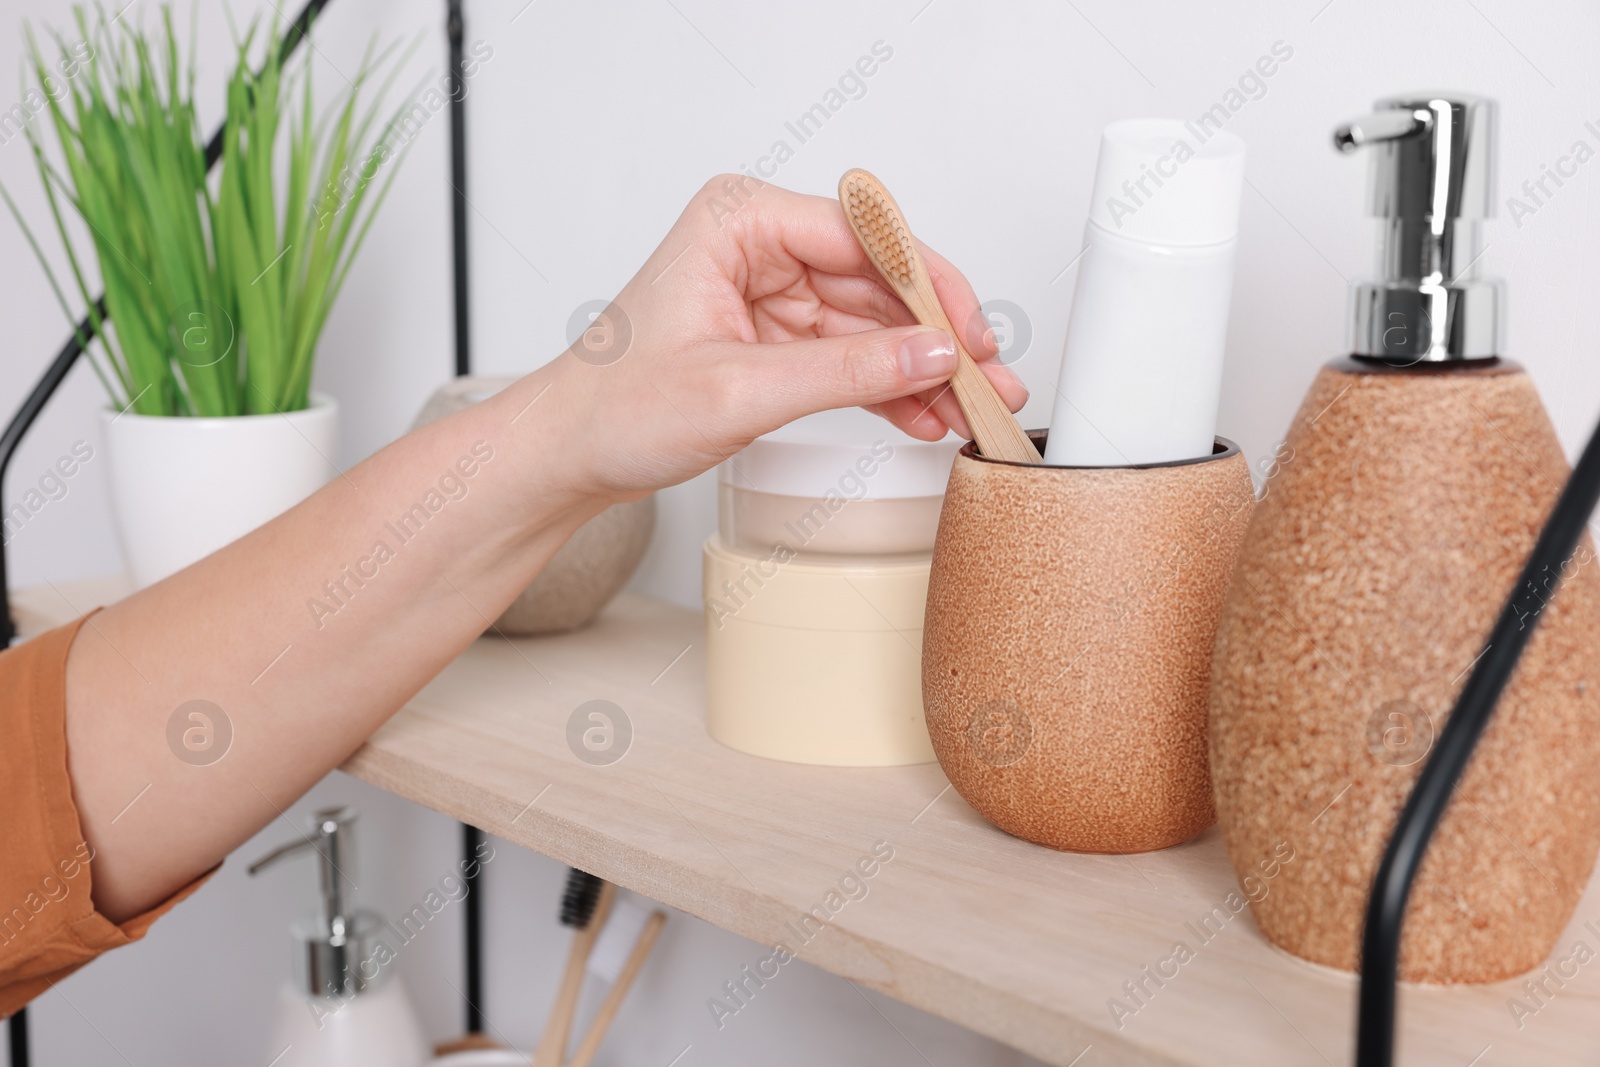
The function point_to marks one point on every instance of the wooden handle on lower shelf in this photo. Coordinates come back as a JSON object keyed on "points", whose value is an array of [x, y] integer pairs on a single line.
{"points": [[553, 1042], [613, 1002]]}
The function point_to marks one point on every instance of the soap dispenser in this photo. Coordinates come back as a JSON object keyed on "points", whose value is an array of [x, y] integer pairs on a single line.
{"points": [[1409, 490], [344, 1007]]}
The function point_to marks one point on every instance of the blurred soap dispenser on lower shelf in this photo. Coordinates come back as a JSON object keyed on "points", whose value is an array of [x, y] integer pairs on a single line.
{"points": [[1408, 492], [343, 1007]]}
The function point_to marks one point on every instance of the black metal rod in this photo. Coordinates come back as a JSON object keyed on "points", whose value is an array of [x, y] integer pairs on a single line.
{"points": [[17, 1039], [23, 420], [12, 436], [471, 836], [458, 182], [1391, 888], [472, 874]]}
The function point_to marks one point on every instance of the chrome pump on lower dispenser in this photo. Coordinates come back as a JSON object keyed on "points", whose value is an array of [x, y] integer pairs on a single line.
{"points": [[345, 1005]]}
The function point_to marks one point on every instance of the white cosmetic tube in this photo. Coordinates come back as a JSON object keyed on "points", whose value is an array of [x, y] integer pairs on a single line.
{"points": [[1141, 371]]}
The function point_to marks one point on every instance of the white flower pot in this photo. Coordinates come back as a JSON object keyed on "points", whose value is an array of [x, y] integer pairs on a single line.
{"points": [[181, 488]]}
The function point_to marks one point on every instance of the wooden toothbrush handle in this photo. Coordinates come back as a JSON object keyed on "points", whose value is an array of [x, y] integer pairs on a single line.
{"points": [[553, 1042], [996, 430], [590, 1046]]}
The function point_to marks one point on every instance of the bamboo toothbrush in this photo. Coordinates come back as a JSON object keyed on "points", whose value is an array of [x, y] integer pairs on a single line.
{"points": [[880, 226], [608, 962], [584, 905]]}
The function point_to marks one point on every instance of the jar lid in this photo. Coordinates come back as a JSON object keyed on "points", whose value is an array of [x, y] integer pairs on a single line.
{"points": [[841, 452]]}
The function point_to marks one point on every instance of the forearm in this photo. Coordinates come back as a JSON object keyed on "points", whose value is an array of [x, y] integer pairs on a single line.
{"points": [[307, 634]]}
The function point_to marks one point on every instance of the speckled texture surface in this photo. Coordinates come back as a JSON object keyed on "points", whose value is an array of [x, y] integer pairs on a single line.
{"points": [[587, 571], [1401, 513], [1067, 644]]}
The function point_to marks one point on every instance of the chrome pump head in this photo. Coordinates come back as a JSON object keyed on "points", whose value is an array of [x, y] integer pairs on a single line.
{"points": [[1432, 184], [336, 948]]}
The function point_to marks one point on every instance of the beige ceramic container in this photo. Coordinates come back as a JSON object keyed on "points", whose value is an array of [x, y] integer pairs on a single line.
{"points": [[1067, 645], [815, 662], [1404, 506]]}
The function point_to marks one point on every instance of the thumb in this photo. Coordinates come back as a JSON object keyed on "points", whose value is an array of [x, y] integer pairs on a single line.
{"points": [[796, 378]]}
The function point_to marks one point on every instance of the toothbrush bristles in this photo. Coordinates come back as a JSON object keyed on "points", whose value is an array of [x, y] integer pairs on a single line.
{"points": [[579, 898], [881, 227]]}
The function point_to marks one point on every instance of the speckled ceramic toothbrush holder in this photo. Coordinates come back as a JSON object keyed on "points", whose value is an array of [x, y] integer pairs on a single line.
{"points": [[1067, 645]]}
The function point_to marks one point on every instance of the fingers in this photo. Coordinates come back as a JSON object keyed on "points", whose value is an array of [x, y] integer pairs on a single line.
{"points": [[960, 305], [912, 414], [1006, 383], [948, 408], [861, 295], [777, 383], [776, 223], [778, 237]]}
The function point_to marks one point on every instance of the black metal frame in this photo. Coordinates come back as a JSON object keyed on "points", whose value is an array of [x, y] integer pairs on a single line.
{"points": [[455, 27], [471, 836], [18, 1048], [17, 428]]}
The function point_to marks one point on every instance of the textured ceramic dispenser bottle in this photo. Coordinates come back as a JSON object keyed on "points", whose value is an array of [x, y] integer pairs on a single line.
{"points": [[1072, 610], [1410, 488]]}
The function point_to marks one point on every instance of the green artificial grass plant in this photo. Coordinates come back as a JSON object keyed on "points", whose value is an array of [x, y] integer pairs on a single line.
{"points": [[216, 287]]}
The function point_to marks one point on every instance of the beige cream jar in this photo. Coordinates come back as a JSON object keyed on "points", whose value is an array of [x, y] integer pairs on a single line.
{"points": [[814, 589]]}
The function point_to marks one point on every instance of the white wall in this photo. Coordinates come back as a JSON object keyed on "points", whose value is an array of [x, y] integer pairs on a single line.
{"points": [[590, 128]]}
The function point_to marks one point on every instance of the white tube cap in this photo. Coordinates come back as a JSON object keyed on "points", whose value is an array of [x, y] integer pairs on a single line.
{"points": [[1158, 182]]}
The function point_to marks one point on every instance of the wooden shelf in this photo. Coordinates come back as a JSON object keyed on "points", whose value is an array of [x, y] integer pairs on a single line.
{"points": [[1007, 938]]}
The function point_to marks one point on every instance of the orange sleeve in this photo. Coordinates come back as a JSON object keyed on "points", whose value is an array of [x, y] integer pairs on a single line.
{"points": [[48, 924]]}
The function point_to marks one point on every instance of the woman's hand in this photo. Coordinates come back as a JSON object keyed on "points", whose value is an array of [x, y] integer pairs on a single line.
{"points": [[758, 307]]}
